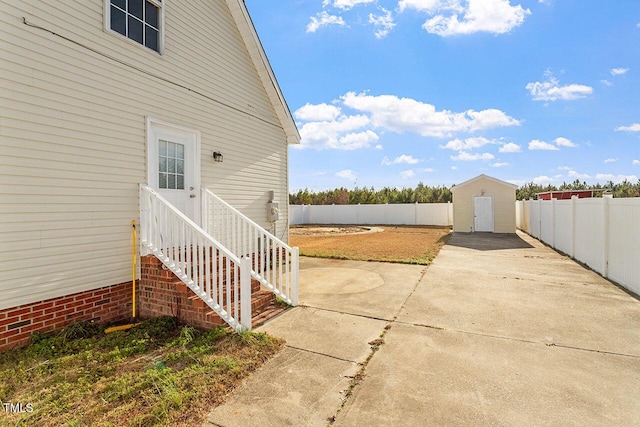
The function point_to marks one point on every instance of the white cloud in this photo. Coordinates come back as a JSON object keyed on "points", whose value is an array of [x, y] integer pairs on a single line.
{"points": [[606, 82], [618, 71], [617, 179], [428, 6], [550, 90], [317, 112], [466, 157], [353, 141], [467, 144], [536, 144], [323, 19], [335, 134], [635, 162], [510, 147], [633, 128], [378, 147], [347, 174], [347, 4], [610, 160], [353, 121], [453, 17], [454, 168], [409, 160], [383, 23], [500, 164], [542, 180], [408, 115], [577, 175], [564, 142], [407, 174]]}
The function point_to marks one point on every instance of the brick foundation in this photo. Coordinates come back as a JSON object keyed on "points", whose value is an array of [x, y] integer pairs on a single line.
{"points": [[104, 305], [163, 294], [159, 293]]}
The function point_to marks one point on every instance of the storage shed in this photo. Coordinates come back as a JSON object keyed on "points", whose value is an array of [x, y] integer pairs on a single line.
{"points": [[566, 194], [484, 204]]}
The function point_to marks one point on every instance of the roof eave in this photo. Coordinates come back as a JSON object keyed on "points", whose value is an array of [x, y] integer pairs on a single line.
{"points": [[469, 181]]}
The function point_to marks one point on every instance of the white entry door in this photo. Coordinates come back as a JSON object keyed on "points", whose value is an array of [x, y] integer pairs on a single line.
{"points": [[174, 165], [483, 213]]}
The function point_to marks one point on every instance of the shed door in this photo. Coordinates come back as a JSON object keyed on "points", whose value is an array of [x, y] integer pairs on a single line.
{"points": [[174, 167], [483, 213]]}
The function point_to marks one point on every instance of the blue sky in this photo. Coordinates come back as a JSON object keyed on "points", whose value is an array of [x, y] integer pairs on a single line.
{"points": [[394, 92]]}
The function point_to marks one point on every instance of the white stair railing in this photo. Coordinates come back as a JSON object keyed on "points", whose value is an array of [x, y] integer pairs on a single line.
{"points": [[220, 278], [274, 263]]}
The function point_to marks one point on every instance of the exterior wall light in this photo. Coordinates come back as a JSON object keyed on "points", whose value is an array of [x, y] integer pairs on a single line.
{"points": [[217, 156]]}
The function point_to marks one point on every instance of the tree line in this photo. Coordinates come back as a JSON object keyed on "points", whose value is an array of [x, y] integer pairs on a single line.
{"points": [[623, 189], [441, 194]]}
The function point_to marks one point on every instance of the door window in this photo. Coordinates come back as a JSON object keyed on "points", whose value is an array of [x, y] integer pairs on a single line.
{"points": [[170, 165]]}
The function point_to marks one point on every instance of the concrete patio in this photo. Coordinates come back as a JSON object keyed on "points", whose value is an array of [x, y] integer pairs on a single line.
{"points": [[498, 330]]}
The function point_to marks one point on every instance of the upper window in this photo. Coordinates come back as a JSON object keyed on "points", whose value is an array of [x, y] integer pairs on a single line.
{"points": [[170, 165], [138, 20]]}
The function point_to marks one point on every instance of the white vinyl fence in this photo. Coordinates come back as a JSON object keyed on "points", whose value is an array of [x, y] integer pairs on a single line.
{"points": [[389, 214], [603, 233]]}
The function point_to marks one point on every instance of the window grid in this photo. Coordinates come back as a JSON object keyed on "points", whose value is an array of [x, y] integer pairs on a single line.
{"points": [[170, 165], [138, 20]]}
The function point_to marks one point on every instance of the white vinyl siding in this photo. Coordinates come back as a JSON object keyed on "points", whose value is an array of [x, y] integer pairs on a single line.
{"points": [[73, 136]]}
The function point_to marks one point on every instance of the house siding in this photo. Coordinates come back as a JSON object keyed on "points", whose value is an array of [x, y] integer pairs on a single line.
{"points": [[504, 210], [73, 135]]}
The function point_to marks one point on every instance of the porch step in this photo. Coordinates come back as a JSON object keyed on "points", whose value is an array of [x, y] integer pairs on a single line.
{"points": [[161, 292], [263, 307], [266, 312]]}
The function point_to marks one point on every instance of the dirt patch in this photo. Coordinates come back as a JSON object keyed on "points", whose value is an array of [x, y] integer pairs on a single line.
{"points": [[328, 230], [406, 244]]}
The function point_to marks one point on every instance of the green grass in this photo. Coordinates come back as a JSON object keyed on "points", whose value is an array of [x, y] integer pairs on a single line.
{"points": [[157, 373]]}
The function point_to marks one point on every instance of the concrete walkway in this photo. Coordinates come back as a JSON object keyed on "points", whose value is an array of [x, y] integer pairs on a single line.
{"points": [[499, 330]]}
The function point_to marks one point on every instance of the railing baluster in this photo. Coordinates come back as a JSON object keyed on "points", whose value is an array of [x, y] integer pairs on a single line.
{"points": [[220, 279], [280, 262], [271, 259], [215, 267]]}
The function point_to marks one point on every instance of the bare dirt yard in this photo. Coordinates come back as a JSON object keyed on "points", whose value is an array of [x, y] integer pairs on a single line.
{"points": [[405, 244]]}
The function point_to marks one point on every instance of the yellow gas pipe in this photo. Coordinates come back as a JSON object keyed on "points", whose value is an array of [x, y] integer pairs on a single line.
{"points": [[133, 283], [133, 268]]}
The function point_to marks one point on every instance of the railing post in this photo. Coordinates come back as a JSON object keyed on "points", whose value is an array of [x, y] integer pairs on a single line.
{"points": [[295, 270], [245, 293]]}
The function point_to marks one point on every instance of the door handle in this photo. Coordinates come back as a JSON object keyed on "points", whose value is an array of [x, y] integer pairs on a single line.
{"points": [[192, 196]]}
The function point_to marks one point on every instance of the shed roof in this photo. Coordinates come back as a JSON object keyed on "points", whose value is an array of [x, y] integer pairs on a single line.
{"points": [[483, 176], [259, 58]]}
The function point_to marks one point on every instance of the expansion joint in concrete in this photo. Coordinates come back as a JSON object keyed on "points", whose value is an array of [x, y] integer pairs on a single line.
{"points": [[592, 350], [375, 346], [455, 331], [319, 353], [364, 316]]}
